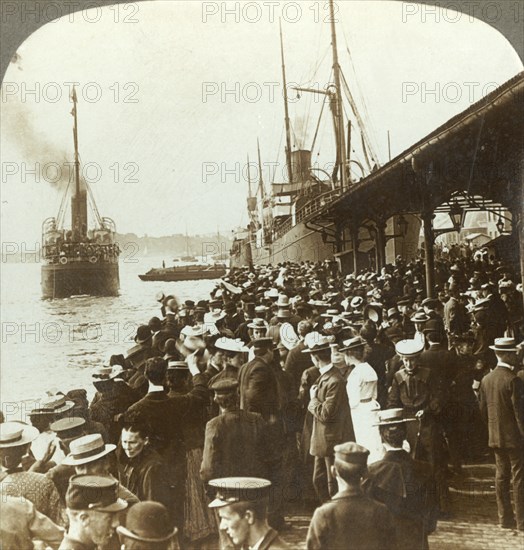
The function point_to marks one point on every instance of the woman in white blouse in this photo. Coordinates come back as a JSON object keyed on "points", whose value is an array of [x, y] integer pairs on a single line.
{"points": [[361, 388]]}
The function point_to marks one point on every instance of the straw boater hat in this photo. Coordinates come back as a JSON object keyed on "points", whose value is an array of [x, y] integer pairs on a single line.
{"points": [[15, 434], [177, 365], [147, 521], [87, 449], [330, 313], [504, 344], [389, 417], [356, 302]]}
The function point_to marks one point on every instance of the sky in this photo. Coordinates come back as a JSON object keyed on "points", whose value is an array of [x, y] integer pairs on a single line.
{"points": [[173, 96]]}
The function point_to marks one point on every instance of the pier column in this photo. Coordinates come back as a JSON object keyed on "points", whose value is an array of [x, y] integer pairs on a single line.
{"points": [[380, 245], [520, 219], [429, 240], [353, 229]]}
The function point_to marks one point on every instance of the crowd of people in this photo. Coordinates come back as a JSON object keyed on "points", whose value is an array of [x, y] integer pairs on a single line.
{"points": [[289, 388]]}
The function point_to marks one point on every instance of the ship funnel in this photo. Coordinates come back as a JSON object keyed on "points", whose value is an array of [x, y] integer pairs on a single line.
{"points": [[300, 165]]}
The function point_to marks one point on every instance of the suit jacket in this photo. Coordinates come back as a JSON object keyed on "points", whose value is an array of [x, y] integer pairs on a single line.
{"points": [[235, 445], [259, 390], [407, 488], [272, 541], [331, 414], [351, 520], [296, 363], [502, 408], [455, 319]]}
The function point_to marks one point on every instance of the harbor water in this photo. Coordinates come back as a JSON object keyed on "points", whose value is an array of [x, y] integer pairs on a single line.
{"points": [[54, 344]]}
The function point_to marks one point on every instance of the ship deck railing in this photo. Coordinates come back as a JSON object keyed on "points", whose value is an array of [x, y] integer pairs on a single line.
{"points": [[306, 212], [81, 252]]}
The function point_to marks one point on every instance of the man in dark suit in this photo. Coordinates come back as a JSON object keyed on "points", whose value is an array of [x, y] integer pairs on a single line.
{"points": [[502, 408], [329, 406], [404, 485], [260, 392], [236, 441], [351, 519]]}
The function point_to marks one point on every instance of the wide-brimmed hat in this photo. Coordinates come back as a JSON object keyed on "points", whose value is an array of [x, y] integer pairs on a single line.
{"points": [[389, 417], [15, 434], [196, 331], [352, 343], [87, 449], [288, 336], [356, 302], [409, 348], [230, 344], [283, 300], [314, 341], [107, 373], [271, 293], [373, 312], [214, 316], [230, 490], [99, 493], [504, 344], [143, 334], [147, 521], [332, 312]]}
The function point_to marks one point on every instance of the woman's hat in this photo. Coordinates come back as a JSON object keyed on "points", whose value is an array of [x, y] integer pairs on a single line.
{"points": [[87, 449], [147, 521], [504, 344], [230, 344], [51, 405], [107, 373], [352, 343], [15, 434], [288, 336]]}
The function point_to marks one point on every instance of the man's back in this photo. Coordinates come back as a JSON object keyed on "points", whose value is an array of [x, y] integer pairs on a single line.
{"points": [[502, 407], [351, 520]]}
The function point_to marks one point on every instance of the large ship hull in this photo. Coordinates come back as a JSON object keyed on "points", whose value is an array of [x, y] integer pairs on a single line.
{"points": [[76, 278]]}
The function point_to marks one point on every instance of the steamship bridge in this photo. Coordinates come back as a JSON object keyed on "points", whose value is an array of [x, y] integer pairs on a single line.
{"points": [[473, 162]]}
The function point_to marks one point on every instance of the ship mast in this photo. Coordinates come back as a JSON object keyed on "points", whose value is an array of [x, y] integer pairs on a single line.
{"points": [[286, 110], [339, 113], [79, 200], [262, 193]]}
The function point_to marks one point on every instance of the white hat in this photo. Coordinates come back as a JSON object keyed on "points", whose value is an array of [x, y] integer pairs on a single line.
{"points": [[409, 348], [228, 344], [15, 434]]}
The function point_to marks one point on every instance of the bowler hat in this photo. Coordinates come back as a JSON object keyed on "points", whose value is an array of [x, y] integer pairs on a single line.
{"points": [[88, 492], [147, 521], [230, 490]]}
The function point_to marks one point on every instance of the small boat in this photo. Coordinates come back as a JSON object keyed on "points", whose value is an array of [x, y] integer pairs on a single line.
{"points": [[185, 273]]}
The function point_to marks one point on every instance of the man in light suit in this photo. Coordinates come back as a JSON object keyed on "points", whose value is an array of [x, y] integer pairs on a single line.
{"points": [[329, 406], [502, 407]]}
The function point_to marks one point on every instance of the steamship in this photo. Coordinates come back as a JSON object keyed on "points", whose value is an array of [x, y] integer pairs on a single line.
{"points": [[283, 224], [79, 260]]}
